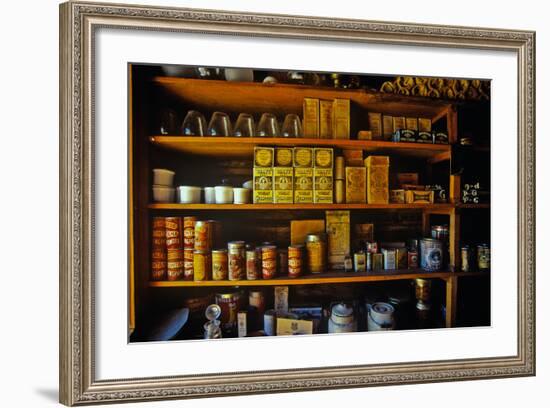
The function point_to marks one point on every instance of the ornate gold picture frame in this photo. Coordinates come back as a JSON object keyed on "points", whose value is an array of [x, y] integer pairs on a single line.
{"points": [[78, 25]]}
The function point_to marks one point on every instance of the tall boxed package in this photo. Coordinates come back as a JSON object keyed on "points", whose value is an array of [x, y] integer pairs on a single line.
{"points": [[378, 179], [310, 122], [323, 175], [303, 175], [283, 176], [325, 119], [341, 119], [338, 235], [356, 185], [263, 175]]}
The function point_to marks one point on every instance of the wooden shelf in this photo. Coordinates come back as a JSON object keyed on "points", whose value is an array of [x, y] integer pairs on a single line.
{"points": [[244, 146], [473, 206], [321, 207], [257, 98], [325, 278]]}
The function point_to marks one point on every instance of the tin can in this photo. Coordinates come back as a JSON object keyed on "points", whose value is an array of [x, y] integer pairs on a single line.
{"points": [[270, 320], [431, 254], [401, 258], [189, 232], [377, 261], [360, 261], [188, 264], [389, 258], [158, 270], [368, 260], [372, 247], [412, 259], [219, 264], [252, 264], [466, 258], [158, 254], [316, 248], [440, 232], [174, 233], [159, 242], [295, 260], [159, 223], [202, 265], [483, 257], [229, 304], [339, 191], [282, 261], [175, 264], [256, 299], [269, 261], [203, 236], [236, 258], [348, 263], [423, 288], [215, 233]]}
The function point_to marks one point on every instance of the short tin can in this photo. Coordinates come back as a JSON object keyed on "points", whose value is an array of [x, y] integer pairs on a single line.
{"points": [[252, 264], [203, 236], [431, 254], [219, 264], [158, 270], [174, 233], [360, 261], [377, 261], [483, 257], [389, 258], [269, 261], [175, 264], [440, 232], [295, 260], [188, 264], [202, 265], [316, 248], [236, 259], [189, 232]]}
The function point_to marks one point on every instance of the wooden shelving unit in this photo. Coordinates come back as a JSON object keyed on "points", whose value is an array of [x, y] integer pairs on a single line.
{"points": [[280, 99]]}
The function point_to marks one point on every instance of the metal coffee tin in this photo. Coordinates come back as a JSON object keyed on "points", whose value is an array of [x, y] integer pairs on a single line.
{"points": [[316, 248], [174, 232], [203, 236], [252, 264], [236, 259], [189, 232], [269, 261], [295, 260], [431, 254], [188, 264], [202, 265], [219, 264]]}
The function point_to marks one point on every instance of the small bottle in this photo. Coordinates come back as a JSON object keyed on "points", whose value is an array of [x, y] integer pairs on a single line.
{"points": [[348, 263]]}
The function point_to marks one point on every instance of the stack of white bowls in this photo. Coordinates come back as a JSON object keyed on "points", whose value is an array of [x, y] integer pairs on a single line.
{"points": [[163, 188]]}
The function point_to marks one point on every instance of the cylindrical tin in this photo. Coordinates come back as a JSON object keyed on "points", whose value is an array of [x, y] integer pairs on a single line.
{"points": [[412, 259], [269, 261], [377, 261], [202, 265], [215, 233], [158, 270], [219, 264], [252, 265], [159, 223], [174, 233], [440, 232], [189, 232], [380, 317], [316, 248], [339, 168], [237, 257], [188, 264], [229, 304], [401, 258], [282, 261], [175, 264], [339, 191], [203, 236], [158, 254], [270, 320], [423, 289], [256, 299], [159, 242], [431, 254], [295, 260], [483, 257], [466, 258]]}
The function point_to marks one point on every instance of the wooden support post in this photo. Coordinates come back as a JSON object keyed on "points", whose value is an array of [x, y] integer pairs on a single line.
{"points": [[454, 189], [425, 223], [452, 124], [454, 241], [450, 301]]}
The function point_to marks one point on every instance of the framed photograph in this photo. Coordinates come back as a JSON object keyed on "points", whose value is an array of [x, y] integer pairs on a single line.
{"points": [[258, 203]]}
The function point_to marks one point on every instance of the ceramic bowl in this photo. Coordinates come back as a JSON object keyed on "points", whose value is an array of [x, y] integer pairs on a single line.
{"points": [[163, 177], [224, 194], [189, 194], [241, 195], [163, 194]]}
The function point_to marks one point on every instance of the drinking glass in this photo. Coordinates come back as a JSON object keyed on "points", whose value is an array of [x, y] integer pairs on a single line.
{"points": [[219, 125], [244, 127], [194, 124], [292, 127], [268, 126]]}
